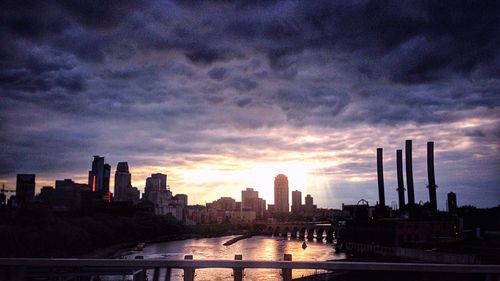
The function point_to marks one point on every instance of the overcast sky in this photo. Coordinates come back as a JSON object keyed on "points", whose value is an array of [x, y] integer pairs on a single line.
{"points": [[224, 95]]}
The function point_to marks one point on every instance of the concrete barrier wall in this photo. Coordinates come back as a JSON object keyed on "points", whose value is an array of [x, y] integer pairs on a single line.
{"points": [[414, 254]]}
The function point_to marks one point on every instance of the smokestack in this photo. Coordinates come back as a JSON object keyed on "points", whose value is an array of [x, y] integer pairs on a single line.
{"points": [[409, 174], [432, 179], [401, 187], [380, 176]]}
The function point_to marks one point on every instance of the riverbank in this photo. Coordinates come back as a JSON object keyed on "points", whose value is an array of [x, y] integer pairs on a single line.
{"points": [[118, 250], [40, 233]]}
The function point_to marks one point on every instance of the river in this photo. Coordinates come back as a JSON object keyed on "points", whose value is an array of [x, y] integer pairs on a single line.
{"points": [[254, 248]]}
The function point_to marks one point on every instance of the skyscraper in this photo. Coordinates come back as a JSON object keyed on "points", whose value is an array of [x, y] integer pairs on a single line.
{"points": [[107, 176], [25, 188], [309, 207], [249, 198], [452, 203], [99, 175], [182, 199], [123, 180], [296, 201], [96, 175], [162, 178], [156, 182], [156, 191], [281, 202]]}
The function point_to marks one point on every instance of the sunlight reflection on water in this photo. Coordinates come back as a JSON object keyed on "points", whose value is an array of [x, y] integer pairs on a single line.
{"points": [[255, 248]]}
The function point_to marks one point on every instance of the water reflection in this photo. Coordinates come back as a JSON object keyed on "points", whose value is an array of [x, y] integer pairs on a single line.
{"points": [[255, 248]]}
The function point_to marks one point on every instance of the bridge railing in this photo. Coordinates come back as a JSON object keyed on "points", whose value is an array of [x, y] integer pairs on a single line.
{"points": [[17, 269]]}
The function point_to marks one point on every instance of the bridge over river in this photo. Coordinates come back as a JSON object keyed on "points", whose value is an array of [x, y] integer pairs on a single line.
{"points": [[302, 229]]}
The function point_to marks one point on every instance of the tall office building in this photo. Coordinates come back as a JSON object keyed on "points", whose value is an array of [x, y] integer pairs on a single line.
{"points": [[281, 202], [162, 179], [182, 199], [25, 188], [123, 182], [249, 198], [107, 176], [156, 191], [452, 203], [250, 201], [155, 183], [296, 202], [99, 175], [309, 207]]}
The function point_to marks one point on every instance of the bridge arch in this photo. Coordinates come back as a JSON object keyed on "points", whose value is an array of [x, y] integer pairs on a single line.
{"points": [[329, 234], [270, 230], [302, 232], [310, 232], [320, 231], [285, 231], [277, 231]]}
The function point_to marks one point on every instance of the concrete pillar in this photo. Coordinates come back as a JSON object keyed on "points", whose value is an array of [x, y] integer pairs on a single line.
{"points": [[238, 272], [189, 271], [287, 272]]}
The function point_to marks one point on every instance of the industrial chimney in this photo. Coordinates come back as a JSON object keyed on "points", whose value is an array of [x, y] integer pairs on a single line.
{"points": [[432, 179], [401, 187], [380, 176], [409, 174]]}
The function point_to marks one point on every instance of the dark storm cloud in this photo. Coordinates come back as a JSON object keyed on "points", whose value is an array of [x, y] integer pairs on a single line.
{"points": [[204, 56], [243, 84], [244, 101], [39, 69], [311, 105], [407, 43], [217, 73], [97, 14], [149, 76], [427, 36]]}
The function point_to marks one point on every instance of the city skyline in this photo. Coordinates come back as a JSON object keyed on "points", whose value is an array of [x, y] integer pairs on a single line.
{"points": [[123, 189], [221, 103]]}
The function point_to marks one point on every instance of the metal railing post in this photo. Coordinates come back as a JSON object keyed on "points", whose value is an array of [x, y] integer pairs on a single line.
{"points": [[287, 272], [141, 274], [238, 272], [156, 274], [189, 271], [168, 273]]}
